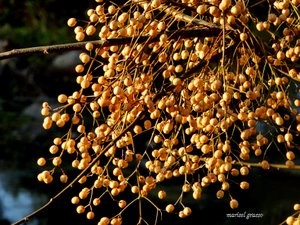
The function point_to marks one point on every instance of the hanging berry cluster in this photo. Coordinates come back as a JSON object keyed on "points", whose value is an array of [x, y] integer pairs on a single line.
{"points": [[197, 90]]}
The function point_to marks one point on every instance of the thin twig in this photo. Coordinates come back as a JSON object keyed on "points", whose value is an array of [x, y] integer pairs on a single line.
{"points": [[272, 165]]}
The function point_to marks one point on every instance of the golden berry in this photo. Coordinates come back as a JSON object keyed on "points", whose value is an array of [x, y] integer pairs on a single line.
{"points": [[233, 203], [162, 194], [80, 36], [170, 208], [80, 209], [63, 178], [265, 165], [41, 161], [90, 215], [297, 207], [56, 161], [187, 211], [244, 185], [96, 201], [75, 200], [220, 194], [243, 36], [104, 221], [122, 204], [72, 22]]}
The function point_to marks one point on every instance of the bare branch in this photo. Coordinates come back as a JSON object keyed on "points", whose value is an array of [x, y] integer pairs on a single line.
{"points": [[61, 47], [195, 32]]}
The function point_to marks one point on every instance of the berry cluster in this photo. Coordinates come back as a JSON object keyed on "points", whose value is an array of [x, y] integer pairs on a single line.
{"points": [[198, 90], [295, 218]]}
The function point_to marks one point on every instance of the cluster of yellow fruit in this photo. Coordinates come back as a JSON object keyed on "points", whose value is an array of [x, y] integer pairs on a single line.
{"points": [[197, 99], [295, 218]]}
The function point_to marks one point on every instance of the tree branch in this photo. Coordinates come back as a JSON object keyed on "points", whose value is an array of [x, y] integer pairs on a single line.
{"points": [[62, 47], [185, 33]]}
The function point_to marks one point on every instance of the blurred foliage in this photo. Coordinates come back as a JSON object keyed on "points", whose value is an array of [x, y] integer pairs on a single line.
{"points": [[37, 22], [26, 24]]}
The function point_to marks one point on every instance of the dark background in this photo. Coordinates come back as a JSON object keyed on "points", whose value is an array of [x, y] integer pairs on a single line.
{"points": [[26, 82]]}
